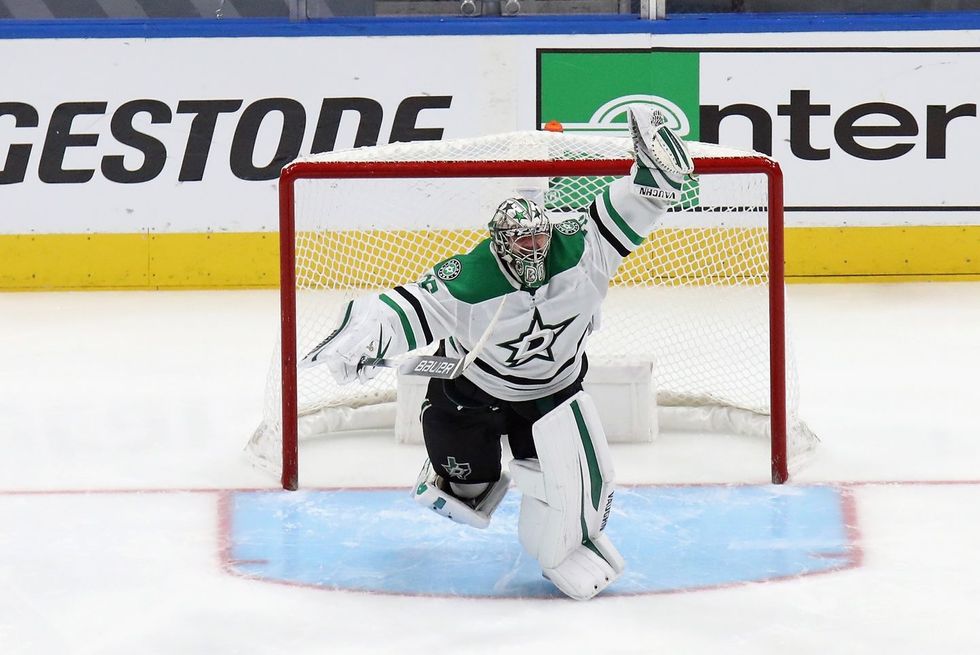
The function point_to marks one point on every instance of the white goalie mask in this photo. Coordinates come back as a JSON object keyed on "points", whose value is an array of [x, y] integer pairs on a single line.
{"points": [[521, 236]]}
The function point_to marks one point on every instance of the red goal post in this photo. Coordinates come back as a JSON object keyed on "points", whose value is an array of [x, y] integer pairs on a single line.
{"points": [[338, 170]]}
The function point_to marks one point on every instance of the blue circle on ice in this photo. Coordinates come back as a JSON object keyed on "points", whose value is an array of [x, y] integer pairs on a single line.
{"points": [[674, 538]]}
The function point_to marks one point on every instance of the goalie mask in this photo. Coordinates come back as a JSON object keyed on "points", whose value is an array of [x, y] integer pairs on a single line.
{"points": [[521, 235]]}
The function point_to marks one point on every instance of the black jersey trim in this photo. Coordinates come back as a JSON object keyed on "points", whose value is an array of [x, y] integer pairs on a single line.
{"points": [[518, 380], [513, 379], [417, 306], [606, 234]]}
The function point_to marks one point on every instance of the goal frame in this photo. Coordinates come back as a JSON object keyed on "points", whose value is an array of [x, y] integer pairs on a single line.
{"points": [[306, 170]]}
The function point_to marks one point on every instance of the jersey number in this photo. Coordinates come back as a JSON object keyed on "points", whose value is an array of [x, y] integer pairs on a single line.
{"points": [[429, 283]]}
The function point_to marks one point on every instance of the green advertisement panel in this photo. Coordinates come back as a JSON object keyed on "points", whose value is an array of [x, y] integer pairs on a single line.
{"points": [[588, 90]]}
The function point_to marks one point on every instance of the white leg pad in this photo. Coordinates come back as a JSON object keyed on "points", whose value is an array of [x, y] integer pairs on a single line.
{"points": [[588, 569], [475, 512], [568, 493]]}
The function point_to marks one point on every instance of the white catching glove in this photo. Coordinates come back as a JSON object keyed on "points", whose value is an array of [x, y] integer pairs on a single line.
{"points": [[663, 161], [342, 351]]}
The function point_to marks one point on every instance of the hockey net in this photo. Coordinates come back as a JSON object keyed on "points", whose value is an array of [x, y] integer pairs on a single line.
{"points": [[702, 298]]}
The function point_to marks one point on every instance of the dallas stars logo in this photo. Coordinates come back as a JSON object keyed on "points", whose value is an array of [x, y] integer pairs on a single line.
{"points": [[456, 469], [536, 342]]}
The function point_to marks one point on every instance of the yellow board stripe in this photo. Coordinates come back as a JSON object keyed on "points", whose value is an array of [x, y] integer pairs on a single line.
{"points": [[250, 260], [139, 261], [74, 261], [939, 251]]}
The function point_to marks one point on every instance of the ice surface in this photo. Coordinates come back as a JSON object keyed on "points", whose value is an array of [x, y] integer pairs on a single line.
{"points": [[122, 421]]}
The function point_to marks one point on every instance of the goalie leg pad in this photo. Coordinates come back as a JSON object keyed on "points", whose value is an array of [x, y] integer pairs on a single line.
{"points": [[588, 569], [568, 493], [577, 471], [432, 491]]}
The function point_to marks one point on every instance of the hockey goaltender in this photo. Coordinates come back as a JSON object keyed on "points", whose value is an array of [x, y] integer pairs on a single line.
{"points": [[511, 318]]}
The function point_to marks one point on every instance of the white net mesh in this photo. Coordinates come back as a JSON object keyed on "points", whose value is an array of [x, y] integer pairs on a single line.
{"points": [[693, 298]]}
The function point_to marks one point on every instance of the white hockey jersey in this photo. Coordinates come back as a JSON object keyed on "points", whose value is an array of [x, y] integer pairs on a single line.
{"points": [[537, 344]]}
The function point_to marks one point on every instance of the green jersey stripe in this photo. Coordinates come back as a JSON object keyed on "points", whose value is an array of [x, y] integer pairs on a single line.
{"points": [[620, 222], [524, 382], [605, 232], [420, 313], [406, 325]]}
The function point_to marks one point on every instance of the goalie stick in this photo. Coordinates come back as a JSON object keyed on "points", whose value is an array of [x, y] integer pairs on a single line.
{"points": [[434, 366], [430, 366]]}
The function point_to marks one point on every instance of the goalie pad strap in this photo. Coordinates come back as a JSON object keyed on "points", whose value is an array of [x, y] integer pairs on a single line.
{"points": [[527, 475]]}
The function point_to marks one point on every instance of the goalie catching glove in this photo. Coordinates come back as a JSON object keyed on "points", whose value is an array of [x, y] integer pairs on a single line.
{"points": [[663, 161]]}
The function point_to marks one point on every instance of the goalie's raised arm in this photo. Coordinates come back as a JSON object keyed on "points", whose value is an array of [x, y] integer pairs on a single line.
{"points": [[628, 210]]}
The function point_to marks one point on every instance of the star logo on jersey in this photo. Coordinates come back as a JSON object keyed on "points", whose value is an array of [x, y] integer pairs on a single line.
{"points": [[569, 227], [536, 342], [459, 470], [450, 269]]}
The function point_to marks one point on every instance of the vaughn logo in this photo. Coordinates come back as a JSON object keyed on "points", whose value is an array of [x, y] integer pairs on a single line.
{"points": [[648, 192], [141, 139]]}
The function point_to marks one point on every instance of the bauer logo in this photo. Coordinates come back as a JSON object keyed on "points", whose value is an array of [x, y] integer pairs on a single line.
{"points": [[589, 92]]}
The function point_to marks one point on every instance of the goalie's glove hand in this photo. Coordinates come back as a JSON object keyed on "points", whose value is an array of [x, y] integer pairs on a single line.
{"points": [[345, 355], [662, 160]]}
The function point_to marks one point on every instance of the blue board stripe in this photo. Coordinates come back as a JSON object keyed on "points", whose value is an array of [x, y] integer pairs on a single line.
{"points": [[164, 28]]}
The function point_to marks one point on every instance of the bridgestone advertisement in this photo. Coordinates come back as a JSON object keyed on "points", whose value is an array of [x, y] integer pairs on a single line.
{"points": [[184, 135]]}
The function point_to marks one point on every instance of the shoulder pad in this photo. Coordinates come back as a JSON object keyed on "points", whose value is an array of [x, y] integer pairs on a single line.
{"points": [[449, 269], [571, 226], [473, 277]]}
